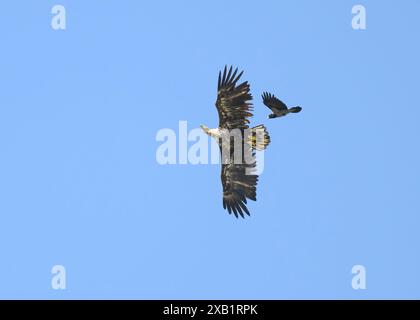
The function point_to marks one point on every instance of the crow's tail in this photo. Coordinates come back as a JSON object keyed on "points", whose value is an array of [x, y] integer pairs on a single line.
{"points": [[295, 109]]}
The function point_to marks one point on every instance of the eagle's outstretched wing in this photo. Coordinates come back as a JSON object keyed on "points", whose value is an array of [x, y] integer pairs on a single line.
{"points": [[239, 183], [273, 103], [233, 102], [238, 178]]}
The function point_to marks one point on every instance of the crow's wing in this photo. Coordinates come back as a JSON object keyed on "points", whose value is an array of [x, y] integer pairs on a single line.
{"points": [[273, 103]]}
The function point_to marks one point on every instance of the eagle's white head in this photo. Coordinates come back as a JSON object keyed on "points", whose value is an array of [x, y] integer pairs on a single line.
{"points": [[214, 133]]}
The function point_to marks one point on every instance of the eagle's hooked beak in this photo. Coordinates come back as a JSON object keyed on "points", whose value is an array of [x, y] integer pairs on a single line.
{"points": [[204, 128]]}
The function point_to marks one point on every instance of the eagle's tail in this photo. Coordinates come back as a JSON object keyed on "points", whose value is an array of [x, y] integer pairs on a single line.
{"points": [[259, 138]]}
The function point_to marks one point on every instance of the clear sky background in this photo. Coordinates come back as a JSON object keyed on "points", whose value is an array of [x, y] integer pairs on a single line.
{"points": [[80, 185]]}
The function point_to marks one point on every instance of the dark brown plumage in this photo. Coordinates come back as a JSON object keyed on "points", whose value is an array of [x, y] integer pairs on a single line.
{"points": [[277, 106], [233, 102], [234, 106]]}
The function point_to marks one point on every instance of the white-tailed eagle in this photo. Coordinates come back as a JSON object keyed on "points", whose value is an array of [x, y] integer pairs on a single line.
{"points": [[238, 143]]}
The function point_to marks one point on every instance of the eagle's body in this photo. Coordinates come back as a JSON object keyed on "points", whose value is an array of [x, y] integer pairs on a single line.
{"points": [[238, 176]]}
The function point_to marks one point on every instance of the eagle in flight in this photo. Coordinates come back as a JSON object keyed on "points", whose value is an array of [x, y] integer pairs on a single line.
{"points": [[237, 141]]}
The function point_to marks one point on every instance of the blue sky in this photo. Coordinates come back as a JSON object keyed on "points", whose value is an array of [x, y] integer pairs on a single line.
{"points": [[80, 185]]}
